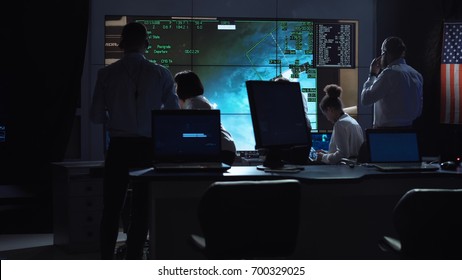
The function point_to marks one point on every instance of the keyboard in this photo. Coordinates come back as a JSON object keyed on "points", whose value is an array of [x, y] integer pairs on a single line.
{"points": [[190, 166]]}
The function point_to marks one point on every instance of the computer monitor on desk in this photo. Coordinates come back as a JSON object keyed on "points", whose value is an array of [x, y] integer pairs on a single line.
{"points": [[279, 120]]}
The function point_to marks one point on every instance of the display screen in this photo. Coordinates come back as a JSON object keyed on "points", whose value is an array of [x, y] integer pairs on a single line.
{"points": [[335, 44], [227, 52], [282, 126]]}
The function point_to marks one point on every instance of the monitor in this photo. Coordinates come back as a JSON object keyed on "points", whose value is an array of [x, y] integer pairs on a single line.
{"points": [[186, 135], [278, 118], [226, 52], [393, 145]]}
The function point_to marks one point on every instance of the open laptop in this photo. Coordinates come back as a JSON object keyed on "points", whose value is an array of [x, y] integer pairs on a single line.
{"points": [[396, 150], [321, 140], [187, 140]]}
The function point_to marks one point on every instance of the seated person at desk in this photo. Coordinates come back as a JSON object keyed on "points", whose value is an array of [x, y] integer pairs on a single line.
{"points": [[347, 134], [190, 92]]}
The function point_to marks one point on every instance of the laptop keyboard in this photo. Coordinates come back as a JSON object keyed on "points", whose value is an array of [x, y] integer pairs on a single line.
{"points": [[400, 164], [406, 166]]}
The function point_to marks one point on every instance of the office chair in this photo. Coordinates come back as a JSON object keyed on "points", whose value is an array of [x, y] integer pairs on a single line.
{"points": [[249, 219], [429, 225]]}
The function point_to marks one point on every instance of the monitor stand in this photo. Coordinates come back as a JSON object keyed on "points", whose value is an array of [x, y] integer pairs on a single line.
{"points": [[274, 163]]}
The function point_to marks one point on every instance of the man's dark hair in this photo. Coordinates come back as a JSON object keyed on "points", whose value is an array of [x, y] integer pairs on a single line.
{"points": [[394, 46], [134, 35]]}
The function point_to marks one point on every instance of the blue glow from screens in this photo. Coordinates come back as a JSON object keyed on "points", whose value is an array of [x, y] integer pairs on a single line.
{"points": [[321, 141]]}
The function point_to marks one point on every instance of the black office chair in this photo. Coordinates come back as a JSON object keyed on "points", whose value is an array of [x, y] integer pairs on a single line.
{"points": [[249, 219], [429, 225]]}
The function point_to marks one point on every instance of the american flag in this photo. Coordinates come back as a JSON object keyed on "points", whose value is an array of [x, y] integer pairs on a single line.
{"points": [[451, 74]]}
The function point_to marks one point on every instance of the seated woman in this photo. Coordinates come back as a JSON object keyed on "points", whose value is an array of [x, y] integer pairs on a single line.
{"points": [[347, 134], [190, 92]]}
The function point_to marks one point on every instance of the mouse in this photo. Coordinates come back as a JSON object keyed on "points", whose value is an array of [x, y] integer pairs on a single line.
{"points": [[449, 165]]}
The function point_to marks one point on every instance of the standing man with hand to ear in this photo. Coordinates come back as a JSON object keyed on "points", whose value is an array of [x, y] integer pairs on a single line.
{"points": [[393, 87]]}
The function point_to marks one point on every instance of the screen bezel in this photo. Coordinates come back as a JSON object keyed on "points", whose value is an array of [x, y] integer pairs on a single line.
{"points": [[176, 119], [272, 120]]}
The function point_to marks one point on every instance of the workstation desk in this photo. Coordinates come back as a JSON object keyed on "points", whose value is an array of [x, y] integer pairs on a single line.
{"points": [[344, 210]]}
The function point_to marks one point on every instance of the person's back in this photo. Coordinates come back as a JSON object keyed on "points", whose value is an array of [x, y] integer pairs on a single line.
{"points": [[402, 102], [346, 140], [132, 87], [396, 91], [125, 94]]}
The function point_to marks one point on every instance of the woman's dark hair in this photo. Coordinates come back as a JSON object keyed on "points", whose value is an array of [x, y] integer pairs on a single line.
{"points": [[188, 84], [332, 98]]}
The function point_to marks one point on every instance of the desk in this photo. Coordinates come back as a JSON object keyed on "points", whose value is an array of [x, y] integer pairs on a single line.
{"points": [[344, 210]]}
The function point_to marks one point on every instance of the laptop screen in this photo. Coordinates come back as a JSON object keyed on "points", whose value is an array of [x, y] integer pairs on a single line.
{"points": [[390, 145], [186, 135], [321, 140]]}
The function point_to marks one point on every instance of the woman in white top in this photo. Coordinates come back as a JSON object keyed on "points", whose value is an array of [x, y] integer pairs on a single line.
{"points": [[190, 92], [347, 134]]}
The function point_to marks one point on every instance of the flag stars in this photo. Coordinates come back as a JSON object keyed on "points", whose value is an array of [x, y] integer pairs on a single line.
{"points": [[452, 42]]}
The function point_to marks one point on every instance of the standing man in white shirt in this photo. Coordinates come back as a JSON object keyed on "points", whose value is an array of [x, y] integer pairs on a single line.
{"points": [[394, 87], [125, 94]]}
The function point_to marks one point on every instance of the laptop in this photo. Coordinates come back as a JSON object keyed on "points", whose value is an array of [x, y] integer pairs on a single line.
{"points": [[187, 140], [321, 140], [396, 150]]}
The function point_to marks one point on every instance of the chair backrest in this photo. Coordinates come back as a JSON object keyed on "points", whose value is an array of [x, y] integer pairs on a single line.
{"points": [[429, 223], [250, 219]]}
